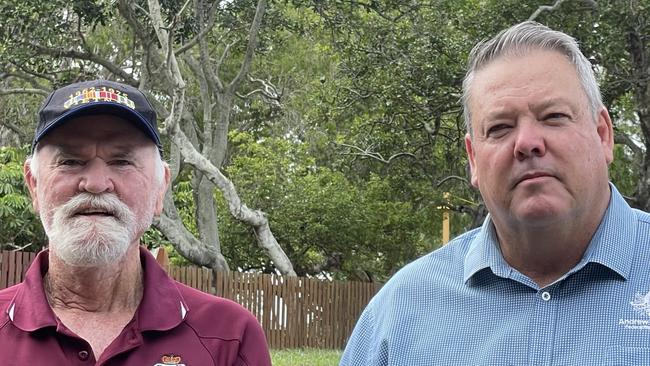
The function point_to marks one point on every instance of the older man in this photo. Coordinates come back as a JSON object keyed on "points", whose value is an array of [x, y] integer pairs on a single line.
{"points": [[559, 273], [97, 179]]}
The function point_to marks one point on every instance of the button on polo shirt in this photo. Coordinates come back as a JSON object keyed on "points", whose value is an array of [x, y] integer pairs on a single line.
{"points": [[173, 321], [83, 355]]}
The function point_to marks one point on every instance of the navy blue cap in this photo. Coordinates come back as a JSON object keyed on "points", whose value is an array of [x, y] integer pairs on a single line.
{"points": [[97, 97]]}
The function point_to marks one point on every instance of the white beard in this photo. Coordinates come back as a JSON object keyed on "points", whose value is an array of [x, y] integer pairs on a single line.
{"points": [[91, 242]]}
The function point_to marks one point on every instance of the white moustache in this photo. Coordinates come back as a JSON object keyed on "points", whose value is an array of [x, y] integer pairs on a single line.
{"points": [[106, 203]]}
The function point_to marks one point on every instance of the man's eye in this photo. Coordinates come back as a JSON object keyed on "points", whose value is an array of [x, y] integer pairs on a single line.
{"points": [[69, 162], [555, 116], [498, 130], [121, 162]]}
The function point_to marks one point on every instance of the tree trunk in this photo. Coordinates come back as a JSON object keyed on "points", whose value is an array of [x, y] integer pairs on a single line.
{"points": [[639, 50], [206, 218], [171, 225]]}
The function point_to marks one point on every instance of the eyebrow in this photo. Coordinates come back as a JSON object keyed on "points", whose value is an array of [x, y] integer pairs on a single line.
{"points": [[499, 114], [503, 112], [120, 151], [544, 104]]}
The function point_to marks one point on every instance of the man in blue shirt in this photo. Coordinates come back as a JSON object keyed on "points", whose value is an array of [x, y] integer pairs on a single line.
{"points": [[559, 273]]}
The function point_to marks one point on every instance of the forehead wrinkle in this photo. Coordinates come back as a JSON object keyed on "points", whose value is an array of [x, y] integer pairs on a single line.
{"points": [[65, 148], [122, 150]]}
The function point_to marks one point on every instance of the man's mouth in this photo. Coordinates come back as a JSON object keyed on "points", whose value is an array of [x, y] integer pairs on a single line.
{"points": [[94, 212], [533, 176]]}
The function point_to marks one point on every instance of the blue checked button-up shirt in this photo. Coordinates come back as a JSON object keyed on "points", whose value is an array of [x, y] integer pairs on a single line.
{"points": [[464, 305]]}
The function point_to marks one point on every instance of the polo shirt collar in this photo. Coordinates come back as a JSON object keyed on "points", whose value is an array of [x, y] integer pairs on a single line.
{"points": [[612, 246], [29, 309], [484, 252], [162, 306]]}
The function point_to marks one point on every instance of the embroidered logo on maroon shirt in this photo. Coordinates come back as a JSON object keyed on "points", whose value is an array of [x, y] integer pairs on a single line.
{"points": [[168, 360]]}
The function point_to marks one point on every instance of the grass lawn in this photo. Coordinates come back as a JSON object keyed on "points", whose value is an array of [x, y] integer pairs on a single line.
{"points": [[305, 357]]}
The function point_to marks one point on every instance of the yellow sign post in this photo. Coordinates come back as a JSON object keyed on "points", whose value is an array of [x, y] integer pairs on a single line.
{"points": [[445, 219]]}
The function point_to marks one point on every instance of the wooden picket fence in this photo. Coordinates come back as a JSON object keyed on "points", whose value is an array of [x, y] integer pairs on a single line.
{"points": [[295, 312], [13, 266]]}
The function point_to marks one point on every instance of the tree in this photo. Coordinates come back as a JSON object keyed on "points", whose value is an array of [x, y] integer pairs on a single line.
{"points": [[165, 49], [402, 64], [19, 228]]}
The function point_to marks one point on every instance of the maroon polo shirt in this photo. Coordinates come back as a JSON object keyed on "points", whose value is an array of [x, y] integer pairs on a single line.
{"points": [[174, 325]]}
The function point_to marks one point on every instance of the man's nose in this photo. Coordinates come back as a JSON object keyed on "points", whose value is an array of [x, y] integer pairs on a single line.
{"points": [[96, 177], [530, 140]]}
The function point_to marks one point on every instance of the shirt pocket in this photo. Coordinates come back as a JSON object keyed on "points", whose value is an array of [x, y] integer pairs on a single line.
{"points": [[624, 356]]}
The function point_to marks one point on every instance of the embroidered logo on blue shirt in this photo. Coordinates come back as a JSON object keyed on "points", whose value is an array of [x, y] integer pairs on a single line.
{"points": [[641, 305]]}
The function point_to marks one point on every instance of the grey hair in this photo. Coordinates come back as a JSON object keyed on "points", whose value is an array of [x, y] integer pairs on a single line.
{"points": [[521, 39], [159, 169]]}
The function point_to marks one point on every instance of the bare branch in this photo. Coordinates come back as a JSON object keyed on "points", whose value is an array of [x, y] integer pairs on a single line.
{"points": [[29, 74], [124, 7], [224, 54], [553, 7], [42, 92], [268, 91], [451, 177], [57, 52], [211, 76], [22, 76], [204, 91], [624, 139], [165, 40], [171, 225], [375, 155], [239, 210], [81, 34], [176, 112], [17, 248], [206, 29], [170, 55], [180, 12], [22, 136], [252, 44]]}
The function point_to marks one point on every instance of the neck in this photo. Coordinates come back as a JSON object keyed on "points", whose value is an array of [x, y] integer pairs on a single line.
{"points": [[543, 258], [107, 289], [547, 253]]}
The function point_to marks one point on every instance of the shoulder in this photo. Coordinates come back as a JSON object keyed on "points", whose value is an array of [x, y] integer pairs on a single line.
{"points": [[414, 296], [642, 224], [421, 283], [7, 294], [218, 321], [642, 217], [211, 315], [443, 265]]}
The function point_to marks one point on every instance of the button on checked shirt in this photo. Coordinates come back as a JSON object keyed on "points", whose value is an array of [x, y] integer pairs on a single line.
{"points": [[464, 305]]}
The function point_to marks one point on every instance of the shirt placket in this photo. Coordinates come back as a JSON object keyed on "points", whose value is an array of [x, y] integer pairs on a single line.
{"points": [[543, 326], [77, 351]]}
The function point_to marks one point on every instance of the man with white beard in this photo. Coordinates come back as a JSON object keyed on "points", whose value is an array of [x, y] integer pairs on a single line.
{"points": [[96, 178]]}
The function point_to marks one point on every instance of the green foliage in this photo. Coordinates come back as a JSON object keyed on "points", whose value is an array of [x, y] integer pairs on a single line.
{"points": [[19, 227], [323, 221]]}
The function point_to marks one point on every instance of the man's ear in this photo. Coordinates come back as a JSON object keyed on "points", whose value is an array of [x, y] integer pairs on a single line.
{"points": [[31, 182], [605, 131], [160, 199], [472, 163]]}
